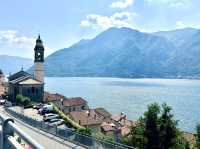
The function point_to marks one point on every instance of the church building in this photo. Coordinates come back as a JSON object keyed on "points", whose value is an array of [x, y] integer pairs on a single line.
{"points": [[30, 85]]}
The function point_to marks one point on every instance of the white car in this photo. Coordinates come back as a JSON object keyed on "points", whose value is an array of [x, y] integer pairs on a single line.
{"points": [[48, 118], [57, 123]]}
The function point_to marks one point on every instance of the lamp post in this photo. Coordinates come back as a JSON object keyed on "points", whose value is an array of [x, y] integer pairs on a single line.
{"points": [[61, 105]]}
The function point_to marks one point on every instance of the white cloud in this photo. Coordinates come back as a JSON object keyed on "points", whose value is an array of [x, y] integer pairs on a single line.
{"points": [[122, 4], [11, 43], [119, 19], [180, 24], [172, 3], [11, 36]]}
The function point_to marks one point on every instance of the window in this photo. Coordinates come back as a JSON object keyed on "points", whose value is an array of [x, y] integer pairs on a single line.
{"points": [[74, 108], [33, 90], [28, 90], [83, 107]]}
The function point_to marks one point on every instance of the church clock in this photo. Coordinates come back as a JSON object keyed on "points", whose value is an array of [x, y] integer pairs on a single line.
{"points": [[39, 51], [39, 60]]}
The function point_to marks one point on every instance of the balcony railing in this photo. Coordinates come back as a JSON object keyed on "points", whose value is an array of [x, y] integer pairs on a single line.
{"points": [[7, 135], [69, 134]]}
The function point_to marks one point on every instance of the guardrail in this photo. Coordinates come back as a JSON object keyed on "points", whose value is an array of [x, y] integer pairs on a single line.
{"points": [[69, 134], [7, 135]]}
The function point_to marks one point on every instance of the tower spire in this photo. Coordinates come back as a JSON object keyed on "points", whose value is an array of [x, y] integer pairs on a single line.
{"points": [[39, 60]]}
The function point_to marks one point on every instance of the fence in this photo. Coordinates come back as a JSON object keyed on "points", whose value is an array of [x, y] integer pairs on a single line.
{"points": [[7, 135], [69, 134]]}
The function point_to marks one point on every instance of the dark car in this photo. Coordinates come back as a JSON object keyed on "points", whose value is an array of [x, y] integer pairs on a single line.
{"points": [[38, 106]]}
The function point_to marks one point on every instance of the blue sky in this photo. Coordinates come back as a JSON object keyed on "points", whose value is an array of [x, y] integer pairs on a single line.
{"points": [[64, 22]]}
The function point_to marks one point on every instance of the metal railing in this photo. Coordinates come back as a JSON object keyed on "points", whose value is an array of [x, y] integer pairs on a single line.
{"points": [[7, 132], [69, 134]]}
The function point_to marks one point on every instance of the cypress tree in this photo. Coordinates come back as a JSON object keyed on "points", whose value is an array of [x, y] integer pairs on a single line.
{"points": [[151, 126], [168, 131]]}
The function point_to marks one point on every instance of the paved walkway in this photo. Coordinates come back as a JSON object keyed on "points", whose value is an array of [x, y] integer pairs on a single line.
{"points": [[48, 141]]}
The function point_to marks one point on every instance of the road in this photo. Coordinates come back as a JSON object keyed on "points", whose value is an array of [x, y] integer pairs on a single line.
{"points": [[48, 141]]}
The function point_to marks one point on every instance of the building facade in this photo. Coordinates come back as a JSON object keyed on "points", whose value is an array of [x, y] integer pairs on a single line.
{"points": [[68, 105], [2, 83], [26, 84]]}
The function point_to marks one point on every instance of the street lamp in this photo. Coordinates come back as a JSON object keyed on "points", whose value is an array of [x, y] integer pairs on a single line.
{"points": [[61, 105]]}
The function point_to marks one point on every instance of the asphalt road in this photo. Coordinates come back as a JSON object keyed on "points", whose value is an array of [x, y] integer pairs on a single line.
{"points": [[48, 141]]}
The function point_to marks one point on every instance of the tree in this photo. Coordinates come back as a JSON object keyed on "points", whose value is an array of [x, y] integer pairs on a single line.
{"points": [[168, 128], [198, 136], [157, 130], [151, 131], [138, 139]]}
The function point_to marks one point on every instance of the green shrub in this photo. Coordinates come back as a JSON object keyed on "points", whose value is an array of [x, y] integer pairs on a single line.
{"points": [[19, 98], [101, 136], [85, 131], [25, 101], [69, 122]]}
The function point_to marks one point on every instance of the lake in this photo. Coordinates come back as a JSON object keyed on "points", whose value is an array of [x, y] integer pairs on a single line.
{"points": [[132, 96]]}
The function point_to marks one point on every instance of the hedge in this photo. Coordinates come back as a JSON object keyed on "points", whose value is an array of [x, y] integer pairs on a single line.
{"points": [[69, 122]]}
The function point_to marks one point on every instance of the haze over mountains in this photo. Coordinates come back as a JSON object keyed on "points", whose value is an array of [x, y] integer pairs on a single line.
{"points": [[12, 64], [124, 52]]}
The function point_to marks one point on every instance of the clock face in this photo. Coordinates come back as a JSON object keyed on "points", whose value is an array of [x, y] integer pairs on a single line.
{"points": [[38, 56]]}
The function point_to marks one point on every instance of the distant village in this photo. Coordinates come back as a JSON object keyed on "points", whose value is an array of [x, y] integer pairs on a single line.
{"points": [[31, 86]]}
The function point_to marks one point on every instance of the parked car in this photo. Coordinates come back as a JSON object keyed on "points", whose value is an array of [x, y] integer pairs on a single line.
{"points": [[2, 101], [38, 106], [45, 109], [48, 114], [52, 121], [57, 123], [8, 104], [48, 118]]}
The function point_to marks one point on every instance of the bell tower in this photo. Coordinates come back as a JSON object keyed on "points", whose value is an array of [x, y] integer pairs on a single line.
{"points": [[39, 60]]}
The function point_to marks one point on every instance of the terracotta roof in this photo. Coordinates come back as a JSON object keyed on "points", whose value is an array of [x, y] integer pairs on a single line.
{"points": [[53, 97], [103, 112], [107, 126], [125, 130], [87, 117], [74, 101], [189, 137], [118, 117]]}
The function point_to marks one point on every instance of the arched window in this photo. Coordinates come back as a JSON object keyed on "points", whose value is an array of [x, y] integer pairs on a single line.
{"points": [[83, 107]]}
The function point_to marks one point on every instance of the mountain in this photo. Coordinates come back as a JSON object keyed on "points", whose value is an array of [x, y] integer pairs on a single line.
{"points": [[114, 53], [185, 61], [124, 52], [12, 64], [178, 36]]}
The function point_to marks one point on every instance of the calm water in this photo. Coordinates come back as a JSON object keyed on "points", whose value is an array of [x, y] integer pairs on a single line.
{"points": [[132, 96]]}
